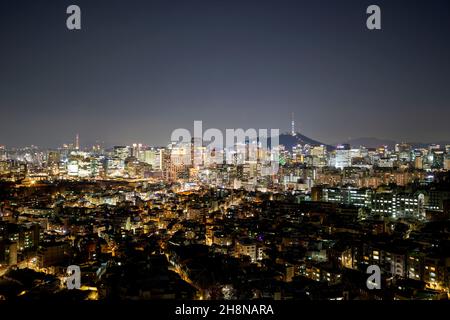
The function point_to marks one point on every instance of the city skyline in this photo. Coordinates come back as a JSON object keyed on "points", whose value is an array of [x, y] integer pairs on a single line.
{"points": [[224, 157], [369, 142], [137, 72]]}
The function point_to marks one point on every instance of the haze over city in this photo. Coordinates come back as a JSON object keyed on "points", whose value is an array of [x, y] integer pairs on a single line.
{"points": [[136, 71]]}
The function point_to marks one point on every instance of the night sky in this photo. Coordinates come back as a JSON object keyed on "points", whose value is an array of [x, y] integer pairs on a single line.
{"points": [[139, 69]]}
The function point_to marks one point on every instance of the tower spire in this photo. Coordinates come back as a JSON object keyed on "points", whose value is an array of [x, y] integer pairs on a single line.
{"points": [[292, 125], [77, 142]]}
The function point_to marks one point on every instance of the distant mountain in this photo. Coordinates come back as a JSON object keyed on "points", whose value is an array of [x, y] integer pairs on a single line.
{"points": [[375, 143], [424, 145], [371, 142], [290, 141]]}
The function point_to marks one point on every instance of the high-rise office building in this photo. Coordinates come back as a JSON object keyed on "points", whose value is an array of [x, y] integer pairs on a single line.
{"points": [[2, 153], [121, 152], [343, 156]]}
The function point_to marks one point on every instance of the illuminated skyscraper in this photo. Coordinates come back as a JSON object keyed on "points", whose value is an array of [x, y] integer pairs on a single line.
{"points": [[153, 157], [2, 153], [121, 152], [343, 157], [136, 150]]}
